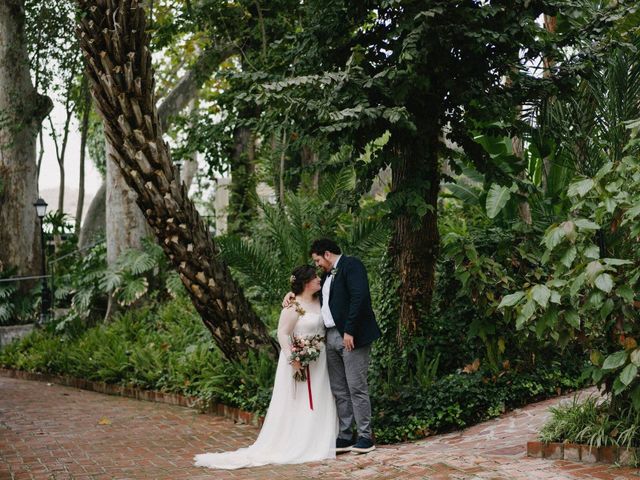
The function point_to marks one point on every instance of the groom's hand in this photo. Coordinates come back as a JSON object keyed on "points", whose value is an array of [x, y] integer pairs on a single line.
{"points": [[288, 299], [347, 341]]}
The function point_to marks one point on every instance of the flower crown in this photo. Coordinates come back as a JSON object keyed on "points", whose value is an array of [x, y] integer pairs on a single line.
{"points": [[292, 278]]}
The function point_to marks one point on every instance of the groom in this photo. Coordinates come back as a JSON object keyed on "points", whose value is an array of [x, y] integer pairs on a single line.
{"points": [[351, 329]]}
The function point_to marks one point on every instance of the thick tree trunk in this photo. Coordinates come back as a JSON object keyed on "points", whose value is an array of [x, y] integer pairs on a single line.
{"points": [[415, 242], [242, 192], [23, 110], [126, 224], [114, 40], [95, 221]]}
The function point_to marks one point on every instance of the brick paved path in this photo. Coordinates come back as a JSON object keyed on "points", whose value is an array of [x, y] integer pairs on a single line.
{"points": [[54, 432]]}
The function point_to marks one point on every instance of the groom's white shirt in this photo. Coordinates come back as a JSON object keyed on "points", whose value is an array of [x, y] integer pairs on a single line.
{"points": [[327, 318]]}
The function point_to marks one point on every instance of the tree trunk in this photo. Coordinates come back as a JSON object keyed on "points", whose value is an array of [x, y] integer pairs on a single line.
{"points": [[84, 130], [23, 110], [551, 26], [189, 170], [95, 222], [114, 40], [311, 176], [179, 97], [126, 224], [415, 243], [242, 191]]}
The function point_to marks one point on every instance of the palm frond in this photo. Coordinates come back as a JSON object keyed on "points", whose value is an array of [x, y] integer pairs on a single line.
{"points": [[368, 236], [256, 261], [337, 183]]}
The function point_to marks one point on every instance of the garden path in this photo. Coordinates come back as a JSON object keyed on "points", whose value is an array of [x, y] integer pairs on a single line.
{"points": [[49, 431]]}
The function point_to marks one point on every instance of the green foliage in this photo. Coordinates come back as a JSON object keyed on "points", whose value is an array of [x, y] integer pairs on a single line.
{"points": [[263, 263], [17, 305], [458, 400], [83, 283], [592, 259], [592, 421], [165, 348]]}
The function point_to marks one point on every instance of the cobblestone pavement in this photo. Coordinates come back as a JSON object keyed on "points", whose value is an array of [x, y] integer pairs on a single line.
{"points": [[53, 432]]}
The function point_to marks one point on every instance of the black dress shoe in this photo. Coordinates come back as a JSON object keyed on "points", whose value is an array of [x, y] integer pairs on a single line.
{"points": [[343, 445], [363, 445]]}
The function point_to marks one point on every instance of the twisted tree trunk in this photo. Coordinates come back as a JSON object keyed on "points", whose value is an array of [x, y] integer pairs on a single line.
{"points": [[177, 99], [115, 44]]}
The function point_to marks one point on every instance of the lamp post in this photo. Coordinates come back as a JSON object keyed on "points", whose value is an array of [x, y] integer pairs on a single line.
{"points": [[179, 163], [41, 210]]}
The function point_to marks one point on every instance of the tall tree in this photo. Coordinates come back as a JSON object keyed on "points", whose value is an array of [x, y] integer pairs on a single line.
{"points": [[22, 111], [425, 70], [116, 47]]}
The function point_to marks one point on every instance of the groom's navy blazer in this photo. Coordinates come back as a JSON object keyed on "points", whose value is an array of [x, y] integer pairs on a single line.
{"points": [[350, 301]]}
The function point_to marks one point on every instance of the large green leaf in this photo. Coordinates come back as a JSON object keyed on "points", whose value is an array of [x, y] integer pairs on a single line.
{"points": [[604, 282], [580, 188], [635, 357], [628, 374], [553, 237], [511, 300], [497, 198], [615, 360], [585, 224], [572, 318], [541, 293]]}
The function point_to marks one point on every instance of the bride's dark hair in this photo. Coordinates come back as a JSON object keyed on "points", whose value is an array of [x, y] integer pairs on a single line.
{"points": [[300, 277]]}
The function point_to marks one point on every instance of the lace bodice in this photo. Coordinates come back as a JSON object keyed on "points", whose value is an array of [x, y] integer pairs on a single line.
{"points": [[309, 324], [299, 325]]}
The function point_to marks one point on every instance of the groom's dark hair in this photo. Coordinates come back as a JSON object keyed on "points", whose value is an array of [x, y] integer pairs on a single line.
{"points": [[324, 245]]}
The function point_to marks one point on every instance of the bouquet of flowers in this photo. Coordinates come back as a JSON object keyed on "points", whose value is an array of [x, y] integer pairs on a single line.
{"points": [[305, 350]]}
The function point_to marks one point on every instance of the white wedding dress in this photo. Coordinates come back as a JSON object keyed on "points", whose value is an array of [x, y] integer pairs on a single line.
{"points": [[292, 432]]}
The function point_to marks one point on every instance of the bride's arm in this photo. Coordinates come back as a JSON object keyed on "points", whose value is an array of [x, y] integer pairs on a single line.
{"points": [[286, 324]]}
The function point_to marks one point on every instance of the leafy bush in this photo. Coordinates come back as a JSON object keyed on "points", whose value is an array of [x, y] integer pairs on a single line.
{"points": [[459, 399], [17, 305], [164, 348], [593, 422]]}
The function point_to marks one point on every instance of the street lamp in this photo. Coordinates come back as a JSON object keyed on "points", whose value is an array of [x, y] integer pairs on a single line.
{"points": [[179, 162], [41, 210]]}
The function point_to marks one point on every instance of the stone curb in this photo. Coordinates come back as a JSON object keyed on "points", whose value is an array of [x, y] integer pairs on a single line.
{"points": [[232, 413], [584, 453]]}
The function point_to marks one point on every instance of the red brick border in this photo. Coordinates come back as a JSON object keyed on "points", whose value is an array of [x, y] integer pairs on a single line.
{"points": [[233, 413], [584, 453]]}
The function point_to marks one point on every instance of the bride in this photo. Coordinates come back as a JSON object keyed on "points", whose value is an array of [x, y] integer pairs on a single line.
{"points": [[301, 424]]}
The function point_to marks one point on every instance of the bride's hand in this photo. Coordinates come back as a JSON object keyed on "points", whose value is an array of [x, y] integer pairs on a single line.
{"points": [[296, 365], [288, 299]]}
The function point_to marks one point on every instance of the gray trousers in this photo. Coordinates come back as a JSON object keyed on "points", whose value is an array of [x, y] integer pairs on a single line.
{"points": [[348, 377]]}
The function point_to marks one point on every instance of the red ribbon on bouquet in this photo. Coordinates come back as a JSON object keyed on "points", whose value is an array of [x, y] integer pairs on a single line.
{"points": [[309, 387]]}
